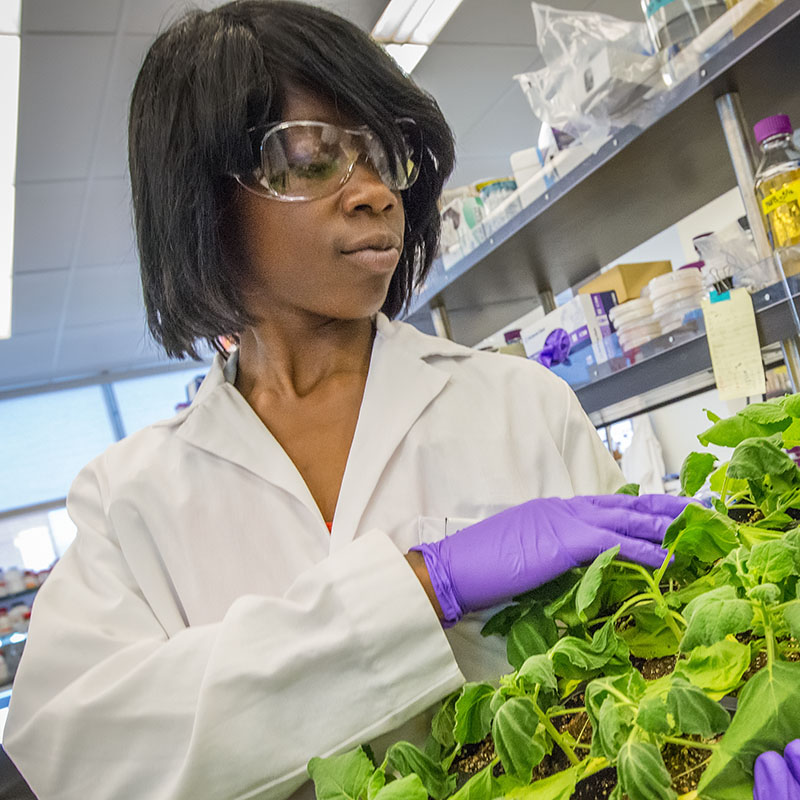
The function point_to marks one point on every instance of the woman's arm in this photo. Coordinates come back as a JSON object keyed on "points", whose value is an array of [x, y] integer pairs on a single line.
{"points": [[106, 705]]}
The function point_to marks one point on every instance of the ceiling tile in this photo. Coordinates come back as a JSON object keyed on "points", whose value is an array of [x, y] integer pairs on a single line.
{"points": [[107, 237], [93, 16], [37, 300], [105, 294], [467, 80], [111, 156], [61, 87], [153, 16], [508, 22], [46, 223], [26, 358]]}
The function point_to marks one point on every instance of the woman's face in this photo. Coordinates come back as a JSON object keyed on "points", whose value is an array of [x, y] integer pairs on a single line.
{"points": [[333, 256]]}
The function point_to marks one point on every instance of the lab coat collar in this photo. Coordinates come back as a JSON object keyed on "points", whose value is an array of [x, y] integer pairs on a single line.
{"points": [[403, 380]]}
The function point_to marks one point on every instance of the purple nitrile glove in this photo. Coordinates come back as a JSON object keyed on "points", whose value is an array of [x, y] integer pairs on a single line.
{"points": [[778, 778], [530, 544]]}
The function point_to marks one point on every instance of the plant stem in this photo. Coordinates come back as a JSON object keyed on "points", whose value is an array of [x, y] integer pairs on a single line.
{"points": [[689, 743], [637, 598], [724, 493], [551, 730], [576, 710]]}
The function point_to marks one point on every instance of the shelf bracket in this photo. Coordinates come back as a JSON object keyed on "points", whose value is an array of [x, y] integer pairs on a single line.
{"points": [[743, 153], [441, 319]]}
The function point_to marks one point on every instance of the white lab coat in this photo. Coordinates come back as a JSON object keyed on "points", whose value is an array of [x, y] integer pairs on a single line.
{"points": [[205, 635]]}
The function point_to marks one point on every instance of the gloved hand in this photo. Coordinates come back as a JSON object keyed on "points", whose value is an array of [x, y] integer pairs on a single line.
{"points": [[776, 777], [530, 544]]}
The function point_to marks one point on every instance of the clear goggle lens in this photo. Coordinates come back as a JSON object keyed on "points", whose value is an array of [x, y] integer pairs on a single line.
{"points": [[304, 160]]}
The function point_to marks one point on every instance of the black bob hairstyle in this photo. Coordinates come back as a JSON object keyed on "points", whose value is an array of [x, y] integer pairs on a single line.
{"points": [[205, 81]]}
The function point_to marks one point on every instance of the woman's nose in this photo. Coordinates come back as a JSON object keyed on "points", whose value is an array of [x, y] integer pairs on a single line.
{"points": [[365, 190]]}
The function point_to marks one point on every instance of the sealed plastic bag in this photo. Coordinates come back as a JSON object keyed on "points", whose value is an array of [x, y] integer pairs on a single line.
{"points": [[597, 69]]}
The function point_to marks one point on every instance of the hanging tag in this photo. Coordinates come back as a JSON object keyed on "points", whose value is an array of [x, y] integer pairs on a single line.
{"points": [[733, 344]]}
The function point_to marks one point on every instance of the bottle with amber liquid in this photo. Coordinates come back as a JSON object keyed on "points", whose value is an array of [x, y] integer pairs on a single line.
{"points": [[777, 181]]}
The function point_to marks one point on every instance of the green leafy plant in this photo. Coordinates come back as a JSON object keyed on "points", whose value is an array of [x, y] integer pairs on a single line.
{"points": [[719, 620]]}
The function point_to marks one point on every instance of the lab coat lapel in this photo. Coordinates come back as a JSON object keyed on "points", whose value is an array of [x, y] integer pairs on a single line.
{"points": [[221, 422], [400, 385]]}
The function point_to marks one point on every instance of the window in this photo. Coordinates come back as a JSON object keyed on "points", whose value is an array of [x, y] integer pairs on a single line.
{"points": [[143, 401], [46, 440]]}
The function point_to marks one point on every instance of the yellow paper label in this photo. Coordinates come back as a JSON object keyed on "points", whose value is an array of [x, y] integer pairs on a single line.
{"points": [[734, 346], [788, 193]]}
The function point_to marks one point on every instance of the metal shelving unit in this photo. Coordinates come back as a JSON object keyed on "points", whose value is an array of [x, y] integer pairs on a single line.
{"points": [[639, 183]]}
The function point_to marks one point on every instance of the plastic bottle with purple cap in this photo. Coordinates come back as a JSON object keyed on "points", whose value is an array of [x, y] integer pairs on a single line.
{"points": [[777, 180]]}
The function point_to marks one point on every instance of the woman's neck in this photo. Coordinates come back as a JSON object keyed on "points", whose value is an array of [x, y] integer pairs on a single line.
{"points": [[292, 356]]}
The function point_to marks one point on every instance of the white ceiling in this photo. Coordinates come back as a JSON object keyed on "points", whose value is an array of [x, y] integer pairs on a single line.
{"points": [[77, 309]]}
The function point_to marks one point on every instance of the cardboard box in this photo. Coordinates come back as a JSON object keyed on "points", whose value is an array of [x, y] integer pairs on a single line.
{"points": [[585, 319], [627, 280]]}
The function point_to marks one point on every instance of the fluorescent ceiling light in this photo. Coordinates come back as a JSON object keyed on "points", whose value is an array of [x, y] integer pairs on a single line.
{"points": [[412, 23], [407, 56], [9, 109]]}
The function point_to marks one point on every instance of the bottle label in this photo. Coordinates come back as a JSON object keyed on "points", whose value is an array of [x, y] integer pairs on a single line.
{"points": [[656, 5], [788, 193]]}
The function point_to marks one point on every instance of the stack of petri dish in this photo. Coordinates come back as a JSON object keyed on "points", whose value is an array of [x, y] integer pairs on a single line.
{"points": [[634, 323], [674, 295]]}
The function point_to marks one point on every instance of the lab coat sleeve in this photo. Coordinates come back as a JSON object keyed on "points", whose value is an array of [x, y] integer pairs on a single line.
{"points": [[106, 705], [591, 466]]}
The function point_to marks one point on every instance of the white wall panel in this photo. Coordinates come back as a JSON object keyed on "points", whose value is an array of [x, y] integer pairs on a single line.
{"points": [[46, 224], [62, 16], [61, 86], [107, 237], [37, 301], [26, 358], [111, 158], [105, 294]]}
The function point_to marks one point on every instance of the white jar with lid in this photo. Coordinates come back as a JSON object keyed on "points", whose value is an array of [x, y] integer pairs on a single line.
{"points": [[15, 581]]}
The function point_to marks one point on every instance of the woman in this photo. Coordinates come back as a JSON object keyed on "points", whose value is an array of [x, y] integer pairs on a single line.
{"points": [[264, 578]]}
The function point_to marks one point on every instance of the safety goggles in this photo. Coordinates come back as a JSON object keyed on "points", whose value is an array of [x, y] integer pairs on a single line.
{"points": [[305, 160]]}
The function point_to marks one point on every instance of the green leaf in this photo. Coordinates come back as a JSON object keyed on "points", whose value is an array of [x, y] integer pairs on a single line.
{"points": [[754, 458], [649, 636], [767, 717], [629, 488], [694, 471], [343, 777], [530, 635], [791, 436], [592, 581], [537, 671], [444, 721], [771, 561], [695, 712], [610, 715], [376, 783], [513, 731], [577, 659], [702, 533], [407, 759], [473, 713], [718, 668], [791, 615], [712, 417], [502, 621], [481, 786], [791, 404], [718, 479], [734, 430], [560, 786], [408, 788], [767, 593], [713, 616], [764, 413], [642, 774]]}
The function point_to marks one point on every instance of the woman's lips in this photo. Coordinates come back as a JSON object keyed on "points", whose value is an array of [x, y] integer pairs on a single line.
{"points": [[373, 259]]}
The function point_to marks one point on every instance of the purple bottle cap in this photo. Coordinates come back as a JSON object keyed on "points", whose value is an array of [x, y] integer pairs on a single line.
{"points": [[513, 336], [771, 126]]}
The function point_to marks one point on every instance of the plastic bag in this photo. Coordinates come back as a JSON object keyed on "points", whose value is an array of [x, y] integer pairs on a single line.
{"points": [[597, 69]]}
